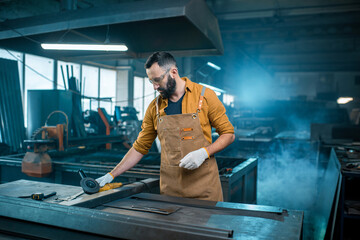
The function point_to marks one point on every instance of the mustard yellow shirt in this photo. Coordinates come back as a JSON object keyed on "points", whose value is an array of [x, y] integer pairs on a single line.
{"points": [[213, 114]]}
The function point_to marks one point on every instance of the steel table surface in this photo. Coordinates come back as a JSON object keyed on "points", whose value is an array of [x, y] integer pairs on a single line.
{"points": [[245, 220]]}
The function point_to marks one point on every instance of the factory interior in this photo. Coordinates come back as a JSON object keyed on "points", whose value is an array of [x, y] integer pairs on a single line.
{"points": [[287, 73]]}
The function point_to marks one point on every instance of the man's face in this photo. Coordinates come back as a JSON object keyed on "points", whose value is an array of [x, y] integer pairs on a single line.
{"points": [[170, 88], [161, 80]]}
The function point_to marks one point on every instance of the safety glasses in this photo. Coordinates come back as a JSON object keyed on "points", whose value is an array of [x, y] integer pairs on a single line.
{"points": [[158, 80]]}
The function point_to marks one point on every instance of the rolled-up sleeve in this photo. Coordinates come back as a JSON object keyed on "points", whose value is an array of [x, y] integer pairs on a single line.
{"points": [[148, 133], [217, 114]]}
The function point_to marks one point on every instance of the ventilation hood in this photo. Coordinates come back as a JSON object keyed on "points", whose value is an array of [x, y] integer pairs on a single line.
{"points": [[182, 27]]}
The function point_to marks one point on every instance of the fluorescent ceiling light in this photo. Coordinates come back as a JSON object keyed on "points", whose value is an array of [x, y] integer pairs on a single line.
{"points": [[344, 100], [218, 91], [88, 47], [216, 67]]}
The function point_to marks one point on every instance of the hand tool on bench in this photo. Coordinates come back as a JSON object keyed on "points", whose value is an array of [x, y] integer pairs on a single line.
{"points": [[39, 196], [89, 185]]}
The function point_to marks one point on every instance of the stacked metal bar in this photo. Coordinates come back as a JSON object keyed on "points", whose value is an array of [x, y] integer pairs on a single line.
{"points": [[77, 121], [12, 129]]}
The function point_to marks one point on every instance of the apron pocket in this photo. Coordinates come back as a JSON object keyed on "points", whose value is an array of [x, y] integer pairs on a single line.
{"points": [[171, 146], [169, 180], [180, 182], [195, 183]]}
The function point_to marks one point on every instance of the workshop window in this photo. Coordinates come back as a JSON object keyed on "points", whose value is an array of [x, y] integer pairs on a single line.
{"points": [[66, 70], [108, 90], [144, 93], [139, 96], [228, 100], [91, 87], [149, 93], [39, 74]]}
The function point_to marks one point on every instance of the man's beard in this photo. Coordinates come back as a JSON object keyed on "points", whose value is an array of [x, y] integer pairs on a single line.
{"points": [[170, 88]]}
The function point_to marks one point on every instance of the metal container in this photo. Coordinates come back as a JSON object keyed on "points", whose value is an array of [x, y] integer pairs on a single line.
{"points": [[240, 183]]}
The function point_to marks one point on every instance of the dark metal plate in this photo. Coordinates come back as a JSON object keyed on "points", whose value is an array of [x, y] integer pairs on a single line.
{"points": [[135, 205]]}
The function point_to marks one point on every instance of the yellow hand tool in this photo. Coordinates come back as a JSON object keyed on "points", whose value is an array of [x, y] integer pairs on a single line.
{"points": [[109, 186], [39, 196]]}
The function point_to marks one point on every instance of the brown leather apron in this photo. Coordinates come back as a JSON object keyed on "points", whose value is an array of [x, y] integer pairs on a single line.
{"points": [[180, 134]]}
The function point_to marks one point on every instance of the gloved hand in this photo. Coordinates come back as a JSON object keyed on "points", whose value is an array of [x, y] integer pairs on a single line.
{"points": [[194, 159], [107, 178]]}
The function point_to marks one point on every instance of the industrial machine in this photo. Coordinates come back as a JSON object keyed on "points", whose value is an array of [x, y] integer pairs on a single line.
{"points": [[52, 137], [37, 162], [128, 124], [124, 130], [124, 124], [108, 123]]}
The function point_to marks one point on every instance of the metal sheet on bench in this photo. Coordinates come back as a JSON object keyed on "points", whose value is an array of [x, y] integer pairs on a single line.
{"points": [[250, 224], [26, 187]]}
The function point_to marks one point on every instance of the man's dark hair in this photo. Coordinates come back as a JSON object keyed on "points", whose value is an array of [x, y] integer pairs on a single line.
{"points": [[164, 59]]}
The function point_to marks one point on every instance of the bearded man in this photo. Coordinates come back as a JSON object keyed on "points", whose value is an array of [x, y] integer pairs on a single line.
{"points": [[182, 117]]}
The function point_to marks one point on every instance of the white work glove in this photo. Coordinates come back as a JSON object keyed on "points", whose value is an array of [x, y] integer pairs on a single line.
{"points": [[107, 178], [194, 159]]}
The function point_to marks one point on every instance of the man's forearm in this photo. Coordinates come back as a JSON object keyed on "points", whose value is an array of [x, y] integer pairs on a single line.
{"points": [[131, 158], [222, 142]]}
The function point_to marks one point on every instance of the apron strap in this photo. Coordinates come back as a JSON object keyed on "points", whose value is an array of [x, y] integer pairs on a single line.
{"points": [[201, 99], [157, 106]]}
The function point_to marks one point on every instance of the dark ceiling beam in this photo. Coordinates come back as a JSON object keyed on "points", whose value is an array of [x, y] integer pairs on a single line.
{"points": [[329, 29], [278, 37], [115, 56], [288, 27], [328, 23], [314, 30], [271, 39], [319, 58], [343, 67], [86, 37], [309, 46], [235, 10], [97, 57]]}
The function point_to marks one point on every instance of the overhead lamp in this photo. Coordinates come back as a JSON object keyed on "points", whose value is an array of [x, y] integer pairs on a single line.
{"points": [[218, 91], [85, 47], [344, 100], [216, 67]]}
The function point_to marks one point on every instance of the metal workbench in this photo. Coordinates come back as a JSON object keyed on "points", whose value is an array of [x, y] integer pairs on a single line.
{"points": [[127, 214], [239, 184]]}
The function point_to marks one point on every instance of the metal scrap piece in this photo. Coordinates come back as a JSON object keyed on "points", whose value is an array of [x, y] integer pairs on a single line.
{"points": [[72, 197], [164, 211]]}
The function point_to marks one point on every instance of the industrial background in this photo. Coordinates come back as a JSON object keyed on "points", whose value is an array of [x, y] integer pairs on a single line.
{"points": [[288, 73]]}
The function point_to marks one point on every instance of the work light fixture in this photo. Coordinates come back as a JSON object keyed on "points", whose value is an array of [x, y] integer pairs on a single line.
{"points": [[85, 47], [344, 100], [216, 67]]}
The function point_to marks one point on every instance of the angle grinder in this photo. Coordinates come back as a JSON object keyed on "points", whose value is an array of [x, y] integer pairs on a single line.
{"points": [[89, 185]]}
